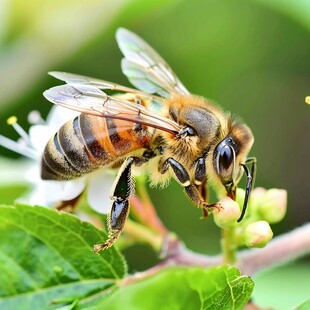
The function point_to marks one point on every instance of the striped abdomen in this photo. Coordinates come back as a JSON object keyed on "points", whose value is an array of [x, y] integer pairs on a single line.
{"points": [[88, 142]]}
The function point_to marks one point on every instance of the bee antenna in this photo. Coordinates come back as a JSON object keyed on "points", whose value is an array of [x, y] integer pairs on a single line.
{"points": [[247, 191]]}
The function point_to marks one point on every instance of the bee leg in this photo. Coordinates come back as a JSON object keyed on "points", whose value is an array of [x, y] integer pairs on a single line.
{"points": [[203, 190], [191, 189], [201, 180], [250, 183], [195, 196], [120, 207]]}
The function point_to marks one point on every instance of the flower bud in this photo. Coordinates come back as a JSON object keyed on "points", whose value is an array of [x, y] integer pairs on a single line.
{"points": [[257, 195], [228, 214], [240, 196], [256, 198], [272, 207], [258, 234]]}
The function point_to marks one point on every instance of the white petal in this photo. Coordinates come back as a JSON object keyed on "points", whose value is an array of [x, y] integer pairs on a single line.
{"points": [[32, 174], [48, 193], [63, 190], [59, 115], [99, 189], [39, 136], [35, 197]]}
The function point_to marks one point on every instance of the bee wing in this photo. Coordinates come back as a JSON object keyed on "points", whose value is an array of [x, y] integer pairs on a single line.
{"points": [[91, 100], [145, 68], [71, 78]]}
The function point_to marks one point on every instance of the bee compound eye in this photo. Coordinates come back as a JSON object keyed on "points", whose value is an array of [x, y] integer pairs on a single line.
{"points": [[226, 156]]}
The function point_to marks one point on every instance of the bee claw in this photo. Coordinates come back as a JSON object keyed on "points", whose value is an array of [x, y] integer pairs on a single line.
{"points": [[99, 247], [216, 205], [206, 208]]}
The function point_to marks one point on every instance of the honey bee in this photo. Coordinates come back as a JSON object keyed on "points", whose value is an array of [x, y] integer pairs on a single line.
{"points": [[161, 126]]}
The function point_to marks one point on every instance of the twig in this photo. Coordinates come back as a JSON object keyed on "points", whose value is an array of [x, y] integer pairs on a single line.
{"points": [[280, 250], [146, 213]]}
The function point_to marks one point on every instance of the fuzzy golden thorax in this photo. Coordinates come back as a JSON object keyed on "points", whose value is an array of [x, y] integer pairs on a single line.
{"points": [[196, 113], [209, 127]]}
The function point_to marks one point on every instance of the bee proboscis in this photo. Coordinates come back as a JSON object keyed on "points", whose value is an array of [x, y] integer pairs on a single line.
{"points": [[161, 126]]}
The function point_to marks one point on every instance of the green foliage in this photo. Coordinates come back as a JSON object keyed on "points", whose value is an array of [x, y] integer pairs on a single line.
{"points": [[47, 256], [290, 280], [185, 288], [305, 305], [46, 260]]}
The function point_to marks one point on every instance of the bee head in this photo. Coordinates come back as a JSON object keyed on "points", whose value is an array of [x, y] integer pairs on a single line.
{"points": [[230, 155]]}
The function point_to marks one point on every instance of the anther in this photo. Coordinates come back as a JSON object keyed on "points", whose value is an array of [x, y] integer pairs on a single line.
{"points": [[13, 122]]}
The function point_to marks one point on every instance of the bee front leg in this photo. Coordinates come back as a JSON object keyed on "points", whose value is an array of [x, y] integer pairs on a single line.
{"points": [[194, 194], [120, 207], [190, 189]]}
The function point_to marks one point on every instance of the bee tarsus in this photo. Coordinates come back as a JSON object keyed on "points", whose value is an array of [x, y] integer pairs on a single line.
{"points": [[123, 188]]}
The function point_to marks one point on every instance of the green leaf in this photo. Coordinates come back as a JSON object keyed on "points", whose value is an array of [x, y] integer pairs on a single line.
{"points": [[185, 288], [46, 256], [270, 287], [304, 306]]}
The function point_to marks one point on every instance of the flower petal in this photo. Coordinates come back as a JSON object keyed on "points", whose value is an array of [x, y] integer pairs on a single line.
{"points": [[48, 193], [39, 136], [63, 190], [59, 115], [99, 189]]}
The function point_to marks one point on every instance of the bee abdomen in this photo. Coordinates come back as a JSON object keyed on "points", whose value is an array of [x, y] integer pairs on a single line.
{"points": [[86, 143], [65, 156]]}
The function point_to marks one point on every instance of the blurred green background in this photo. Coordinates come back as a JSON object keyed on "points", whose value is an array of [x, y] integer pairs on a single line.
{"points": [[250, 56]]}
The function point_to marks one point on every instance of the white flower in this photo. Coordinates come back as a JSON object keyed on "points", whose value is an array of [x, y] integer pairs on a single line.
{"points": [[48, 193]]}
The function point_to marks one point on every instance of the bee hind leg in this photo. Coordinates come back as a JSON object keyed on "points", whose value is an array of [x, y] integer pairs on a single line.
{"points": [[116, 222], [123, 187]]}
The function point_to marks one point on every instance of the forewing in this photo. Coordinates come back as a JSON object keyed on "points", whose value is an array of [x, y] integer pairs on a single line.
{"points": [[71, 78], [91, 100], [145, 68]]}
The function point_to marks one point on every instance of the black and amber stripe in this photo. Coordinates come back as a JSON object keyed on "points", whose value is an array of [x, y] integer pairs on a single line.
{"points": [[88, 142]]}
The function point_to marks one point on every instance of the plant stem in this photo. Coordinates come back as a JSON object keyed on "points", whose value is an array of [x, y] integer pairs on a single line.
{"points": [[141, 233], [228, 245], [281, 249], [144, 210]]}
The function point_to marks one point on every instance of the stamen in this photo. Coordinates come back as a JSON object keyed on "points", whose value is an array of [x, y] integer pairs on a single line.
{"points": [[308, 99], [13, 122], [34, 118], [18, 148]]}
